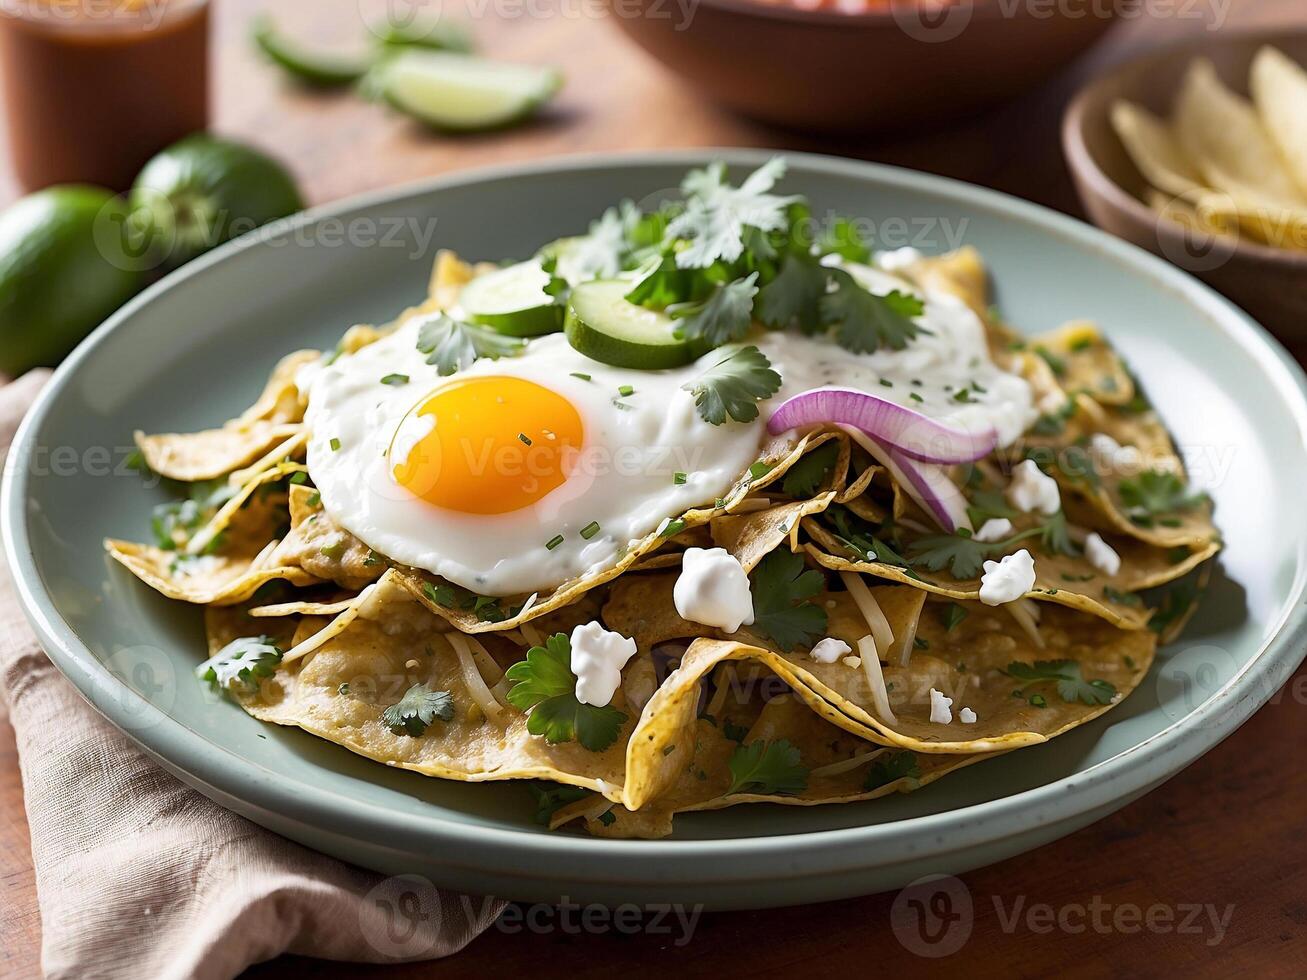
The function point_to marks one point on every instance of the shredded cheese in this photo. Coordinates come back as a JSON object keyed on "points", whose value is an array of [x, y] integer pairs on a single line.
{"points": [[1026, 620], [871, 669], [472, 679], [870, 609], [847, 765]]}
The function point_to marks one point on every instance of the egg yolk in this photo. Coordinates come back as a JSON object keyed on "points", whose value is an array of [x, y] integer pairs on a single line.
{"points": [[490, 445]]}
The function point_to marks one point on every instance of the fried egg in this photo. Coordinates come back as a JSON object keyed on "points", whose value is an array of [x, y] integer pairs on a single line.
{"points": [[518, 474]]}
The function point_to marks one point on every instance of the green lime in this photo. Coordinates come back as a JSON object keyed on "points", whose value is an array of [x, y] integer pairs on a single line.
{"points": [[202, 191], [324, 69], [65, 265]]}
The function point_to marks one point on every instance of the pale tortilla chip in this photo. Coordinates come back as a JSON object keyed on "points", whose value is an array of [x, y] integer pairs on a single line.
{"points": [[1279, 90], [1156, 151]]}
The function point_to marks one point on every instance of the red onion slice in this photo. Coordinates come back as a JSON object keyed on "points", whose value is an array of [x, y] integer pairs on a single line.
{"points": [[910, 433], [926, 483]]}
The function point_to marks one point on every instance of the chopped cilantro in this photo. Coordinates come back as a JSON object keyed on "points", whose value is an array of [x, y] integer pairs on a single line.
{"points": [[891, 768], [1057, 364], [241, 663], [552, 797], [733, 387], [1071, 684], [452, 345], [760, 469], [723, 317], [768, 769], [782, 606], [793, 297], [544, 685], [804, 478], [607, 818], [1156, 492], [417, 709], [712, 224], [865, 322], [1121, 598], [952, 615]]}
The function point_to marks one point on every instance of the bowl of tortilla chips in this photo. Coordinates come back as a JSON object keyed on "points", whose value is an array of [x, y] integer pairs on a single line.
{"points": [[1199, 154], [943, 662]]}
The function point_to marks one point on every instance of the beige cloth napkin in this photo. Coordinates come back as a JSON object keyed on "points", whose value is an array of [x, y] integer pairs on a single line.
{"points": [[140, 876]]}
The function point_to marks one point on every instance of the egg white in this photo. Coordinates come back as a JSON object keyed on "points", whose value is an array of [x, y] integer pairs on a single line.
{"points": [[625, 478]]}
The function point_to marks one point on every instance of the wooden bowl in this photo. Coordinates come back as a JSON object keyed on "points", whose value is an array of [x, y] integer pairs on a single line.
{"points": [[1270, 283], [889, 68]]}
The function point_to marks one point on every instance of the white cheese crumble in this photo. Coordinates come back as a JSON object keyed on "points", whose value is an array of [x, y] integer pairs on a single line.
{"points": [[967, 716], [1007, 580], [939, 708], [713, 589], [994, 529], [598, 656], [853, 662], [1032, 489], [829, 650], [1101, 554], [1113, 456]]}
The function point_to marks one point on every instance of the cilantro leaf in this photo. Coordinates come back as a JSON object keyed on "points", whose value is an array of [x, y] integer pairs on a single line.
{"points": [[545, 686], [241, 664], [794, 296], [600, 252], [768, 769], [1156, 492], [713, 221], [865, 322], [843, 238], [986, 504], [417, 709], [891, 768], [723, 317], [552, 797], [452, 345], [1071, 684], [781, 593], [174, 523], [733, 386], [804, 478], [1176, 602], [963, 556], [1054, 423], [952, 616], [1055, 537]]}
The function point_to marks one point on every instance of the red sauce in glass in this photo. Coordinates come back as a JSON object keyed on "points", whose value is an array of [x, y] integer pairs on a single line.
{"points": [[94, 88]]}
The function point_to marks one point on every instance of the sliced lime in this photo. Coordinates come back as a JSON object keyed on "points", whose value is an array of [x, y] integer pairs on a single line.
{"points": [[321, 68], [463, 92]]}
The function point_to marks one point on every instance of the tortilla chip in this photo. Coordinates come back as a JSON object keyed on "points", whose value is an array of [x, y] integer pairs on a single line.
{"points": [[271, 420], [392, 643], [322, 549], [965, 661], [1156, 151], [1225, 137], [1086, 362], [1279, 90]]}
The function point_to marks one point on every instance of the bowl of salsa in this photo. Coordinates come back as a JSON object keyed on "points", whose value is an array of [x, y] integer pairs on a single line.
{"points": [[862, 65]]}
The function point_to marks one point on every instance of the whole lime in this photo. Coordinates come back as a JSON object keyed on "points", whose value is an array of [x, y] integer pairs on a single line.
{"points": [[64, 267], [202, 191]]}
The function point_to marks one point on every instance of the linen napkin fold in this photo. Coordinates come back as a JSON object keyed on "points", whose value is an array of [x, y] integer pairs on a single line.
{"points": [[137, 875]]}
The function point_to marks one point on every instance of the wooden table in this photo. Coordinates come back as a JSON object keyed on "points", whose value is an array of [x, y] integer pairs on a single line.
{"points": [[1226, 831]]}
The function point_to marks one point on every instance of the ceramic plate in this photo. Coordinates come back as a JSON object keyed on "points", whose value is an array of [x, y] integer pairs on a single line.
{"points": [[194, 350]]}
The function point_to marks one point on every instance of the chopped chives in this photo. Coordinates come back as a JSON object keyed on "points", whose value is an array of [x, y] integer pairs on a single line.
{"points": [[679, 479], [526, 439], [590, 530], [625, 391], [915, 397], [886, 383], [335, 445], [554, 542], [578, 374], [671, 527], [395, 379]]}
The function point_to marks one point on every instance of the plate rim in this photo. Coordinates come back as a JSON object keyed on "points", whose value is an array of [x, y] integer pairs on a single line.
{"points": [[1129, 772]]}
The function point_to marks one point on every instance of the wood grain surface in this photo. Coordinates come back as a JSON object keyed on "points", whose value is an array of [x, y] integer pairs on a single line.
{"points": [[1221, 839]]}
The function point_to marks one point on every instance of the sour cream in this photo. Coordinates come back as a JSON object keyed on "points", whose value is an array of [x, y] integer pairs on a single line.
{"points": [[598, 656], [1007, 580], [713, 589]]}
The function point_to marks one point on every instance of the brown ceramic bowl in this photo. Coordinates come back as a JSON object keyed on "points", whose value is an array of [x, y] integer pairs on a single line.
{"points": [[1270, 283], [889, 68]]}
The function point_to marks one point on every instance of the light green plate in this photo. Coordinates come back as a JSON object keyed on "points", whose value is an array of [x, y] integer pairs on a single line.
{"points": [[195, 349]]}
